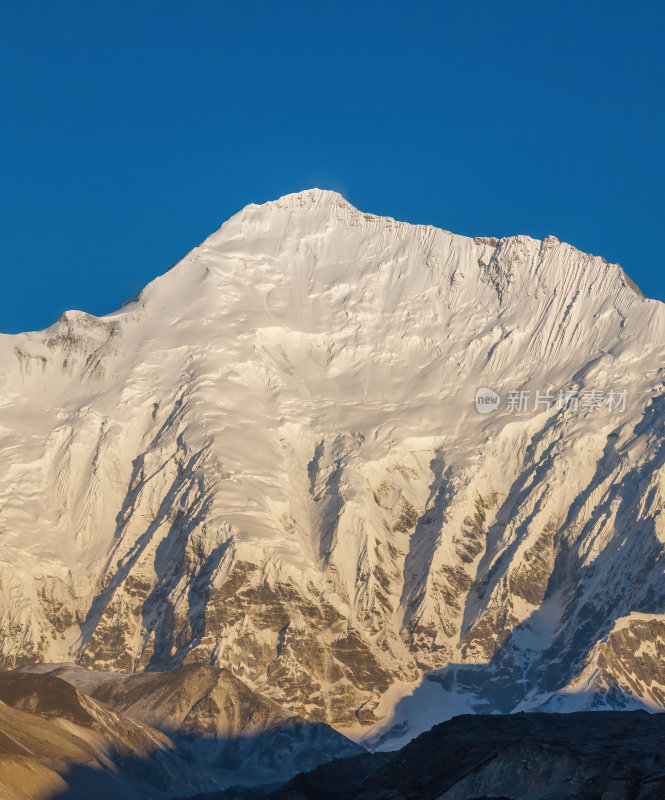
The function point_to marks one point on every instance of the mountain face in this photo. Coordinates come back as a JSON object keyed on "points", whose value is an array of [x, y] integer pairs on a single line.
{"points": [[272, 462]]}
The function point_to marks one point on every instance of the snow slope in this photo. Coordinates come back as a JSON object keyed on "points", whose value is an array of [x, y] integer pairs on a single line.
{"points": [[271, 461]]}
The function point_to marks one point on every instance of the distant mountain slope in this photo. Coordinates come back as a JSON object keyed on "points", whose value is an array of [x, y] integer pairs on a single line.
{"points": [[230, 731], [272, 462], [56, 742]]}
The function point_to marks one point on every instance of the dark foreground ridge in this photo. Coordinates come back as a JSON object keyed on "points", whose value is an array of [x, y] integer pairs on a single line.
{"points": [[594, 755]]}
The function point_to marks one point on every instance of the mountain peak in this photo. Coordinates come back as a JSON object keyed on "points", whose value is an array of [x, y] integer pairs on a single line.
{"points": [[309, 198]]}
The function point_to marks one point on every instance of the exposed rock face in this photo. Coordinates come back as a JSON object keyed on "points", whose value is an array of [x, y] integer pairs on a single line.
{"points": [[272, 462], [624, 669]]}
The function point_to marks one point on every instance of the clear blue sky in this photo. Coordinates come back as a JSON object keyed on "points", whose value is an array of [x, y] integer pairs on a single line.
{"points": [[130, 131]]}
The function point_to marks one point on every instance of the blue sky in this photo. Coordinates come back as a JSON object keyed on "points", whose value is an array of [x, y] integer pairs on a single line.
{"points": [[132, 130]]}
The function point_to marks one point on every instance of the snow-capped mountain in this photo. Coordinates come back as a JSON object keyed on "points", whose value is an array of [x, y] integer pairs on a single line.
{"points": [[272, 461]]}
